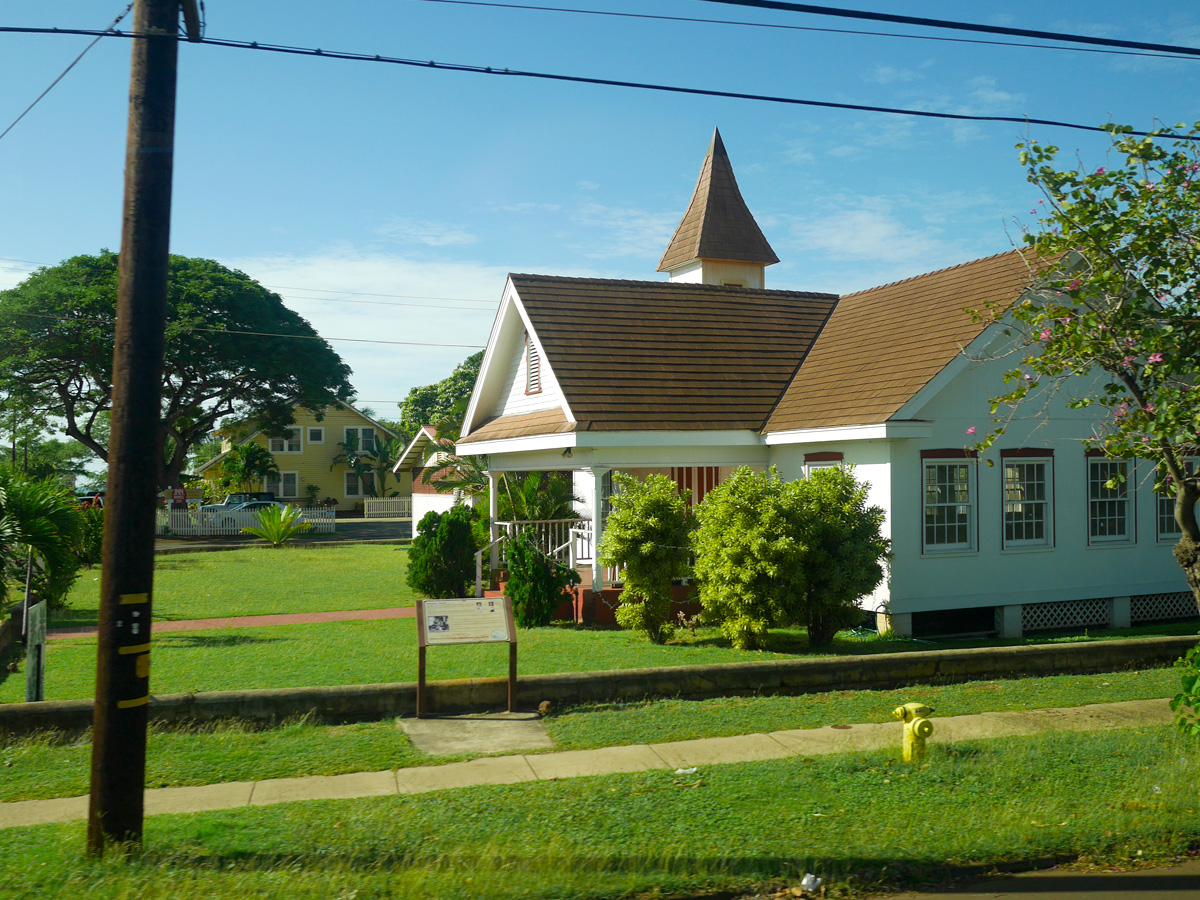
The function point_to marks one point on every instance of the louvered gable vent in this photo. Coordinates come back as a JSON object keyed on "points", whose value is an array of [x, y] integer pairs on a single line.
{"points": [[533, 368]]}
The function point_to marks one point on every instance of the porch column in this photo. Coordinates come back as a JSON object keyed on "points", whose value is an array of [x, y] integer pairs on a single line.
{"points": [[596, 501], [493, 512]]}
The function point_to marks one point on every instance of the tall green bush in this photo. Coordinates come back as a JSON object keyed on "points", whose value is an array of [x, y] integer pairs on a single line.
{"points": [[38, 519], [90, 542], [647, 538], [537, 584], [771, 553], [441, 561]]}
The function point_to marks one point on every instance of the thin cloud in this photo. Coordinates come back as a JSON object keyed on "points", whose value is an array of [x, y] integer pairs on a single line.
{"points": [[431, 234]]}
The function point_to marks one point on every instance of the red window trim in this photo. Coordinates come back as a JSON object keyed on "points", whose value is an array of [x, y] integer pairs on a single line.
{"points": [[952, 453], [824, 456], [1028, 452]]}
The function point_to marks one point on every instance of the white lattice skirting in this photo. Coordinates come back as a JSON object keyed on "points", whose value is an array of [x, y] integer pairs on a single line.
{"points": [[1064, 614], [1157, 607]]}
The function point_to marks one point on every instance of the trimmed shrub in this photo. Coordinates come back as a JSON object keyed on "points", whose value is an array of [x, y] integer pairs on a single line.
{"points": [[647, 538], [537, 584], [441, 561], [771, 553]]}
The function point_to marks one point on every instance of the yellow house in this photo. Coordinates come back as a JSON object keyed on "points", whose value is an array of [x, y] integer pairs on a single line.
{"points": [[305, 457]]}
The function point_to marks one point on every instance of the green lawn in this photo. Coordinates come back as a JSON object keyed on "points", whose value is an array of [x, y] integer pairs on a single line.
{"points": [[260, 581], [57, 766], [859, 820]]}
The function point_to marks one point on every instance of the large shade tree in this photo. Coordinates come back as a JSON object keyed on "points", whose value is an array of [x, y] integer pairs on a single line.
{"points": [[432, 403], [232, 349], [1113, 319]]}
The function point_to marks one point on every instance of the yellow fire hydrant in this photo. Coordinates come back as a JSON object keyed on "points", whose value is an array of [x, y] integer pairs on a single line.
{"points": [[917, 728]]}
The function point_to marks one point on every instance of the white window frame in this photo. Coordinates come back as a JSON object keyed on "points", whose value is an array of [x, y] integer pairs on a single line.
{"points": [[1046, 502], [275, 484], [320, 429], [1164, 507], [967, 509], [1122, 499], [284, 445], [358, 483], [360, 431]]}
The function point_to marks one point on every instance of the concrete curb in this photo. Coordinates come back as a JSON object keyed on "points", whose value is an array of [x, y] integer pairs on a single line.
{"points": [[791, 676]]}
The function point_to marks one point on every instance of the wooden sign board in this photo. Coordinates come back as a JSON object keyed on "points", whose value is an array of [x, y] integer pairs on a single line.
{"points": [[486, 620]]}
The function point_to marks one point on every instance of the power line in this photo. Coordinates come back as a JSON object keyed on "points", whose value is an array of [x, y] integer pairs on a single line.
{"points": [[295, 299], [957, 26], [808, 28], [285, 287], [95, 41], [610, 82], [303, 337]]}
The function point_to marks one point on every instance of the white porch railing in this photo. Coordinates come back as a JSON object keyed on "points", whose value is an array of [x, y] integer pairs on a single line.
{"points": [[567, 540], [214, 523], [548, 534], [387, 507]]}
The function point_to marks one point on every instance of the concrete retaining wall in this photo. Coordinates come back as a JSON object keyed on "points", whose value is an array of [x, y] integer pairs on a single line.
{"points": [[791, 676]]}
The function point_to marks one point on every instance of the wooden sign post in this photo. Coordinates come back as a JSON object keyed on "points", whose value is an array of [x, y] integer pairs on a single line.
{"points": [[35, 653], [486, 620]]}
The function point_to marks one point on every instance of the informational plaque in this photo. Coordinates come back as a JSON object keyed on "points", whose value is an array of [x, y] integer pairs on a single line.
{"points": [[469, 621], [35, 653], [475, 620]]}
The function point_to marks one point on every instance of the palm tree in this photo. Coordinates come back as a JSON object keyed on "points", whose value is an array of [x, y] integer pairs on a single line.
{"points": [[380, 461], [245, 465], [39, 520], [356, 460], [465, 476]]}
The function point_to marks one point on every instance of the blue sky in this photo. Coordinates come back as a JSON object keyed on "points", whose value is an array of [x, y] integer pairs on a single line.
{"points": [[332, 181]]}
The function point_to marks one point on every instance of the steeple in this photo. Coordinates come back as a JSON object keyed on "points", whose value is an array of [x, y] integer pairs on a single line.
{"points": [[718, 241]]}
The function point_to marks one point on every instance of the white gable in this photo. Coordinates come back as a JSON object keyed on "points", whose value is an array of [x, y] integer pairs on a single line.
{"points": [[500, 389]]}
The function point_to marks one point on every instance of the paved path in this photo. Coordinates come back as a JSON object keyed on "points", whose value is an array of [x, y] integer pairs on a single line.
{"points": [[601, 761], [349, 615], [349, 531]]}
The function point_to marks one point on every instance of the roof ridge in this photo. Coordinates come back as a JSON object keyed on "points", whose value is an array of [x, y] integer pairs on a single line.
{"points": [[671, 285], [960, 265]]}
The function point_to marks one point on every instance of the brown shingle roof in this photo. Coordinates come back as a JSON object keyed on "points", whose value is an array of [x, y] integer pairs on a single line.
{"points": [[717, 224], [883, 345], [544, 421], [661, 356]]}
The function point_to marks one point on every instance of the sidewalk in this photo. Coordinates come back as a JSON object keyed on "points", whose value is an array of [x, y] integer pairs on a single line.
{"points": [[160, 627], [602, 761]]}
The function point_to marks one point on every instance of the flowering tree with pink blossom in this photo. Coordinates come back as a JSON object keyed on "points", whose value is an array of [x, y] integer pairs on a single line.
{"points": [[1116, 267]]}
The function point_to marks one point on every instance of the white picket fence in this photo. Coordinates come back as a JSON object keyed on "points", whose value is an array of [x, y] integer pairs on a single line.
{"points": [[387, 507], [214, 523], [549, 535]]}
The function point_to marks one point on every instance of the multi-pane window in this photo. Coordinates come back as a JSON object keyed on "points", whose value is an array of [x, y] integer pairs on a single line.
{"points": [[1027, 508], [363, 438], [360, 487], [1168, 528], [316, 435], [1109, 507], [288, 444], [284, 485], [949, 501]]}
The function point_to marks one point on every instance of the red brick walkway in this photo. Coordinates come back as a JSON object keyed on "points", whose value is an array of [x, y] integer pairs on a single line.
{"points": [[406, 612]]}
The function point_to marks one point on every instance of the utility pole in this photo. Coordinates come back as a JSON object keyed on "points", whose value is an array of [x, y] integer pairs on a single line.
{"points": [[115, 808]]}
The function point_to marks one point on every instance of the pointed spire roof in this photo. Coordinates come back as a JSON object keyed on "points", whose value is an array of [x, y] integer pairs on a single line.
{"points": [[717, 224]]}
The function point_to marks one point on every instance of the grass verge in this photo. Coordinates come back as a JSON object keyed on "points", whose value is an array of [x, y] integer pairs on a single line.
{"points": [[52, 765], [857, 820], [259, 581]]}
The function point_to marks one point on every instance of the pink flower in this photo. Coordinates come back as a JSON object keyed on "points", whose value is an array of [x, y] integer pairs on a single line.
{"points": [[1100, 171], [1126, 362], [1046, 335], [1074, 285], [1155, 358], [1065, 320], [1149, 407], [1028, 377], [971, 430]]}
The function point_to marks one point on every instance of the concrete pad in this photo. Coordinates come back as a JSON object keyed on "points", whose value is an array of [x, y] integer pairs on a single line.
{"points": [[1143, 712], [482, 733], [489, 770], [198, 798], [823, 741], [323, 787], [602, 761], [42, 812], [713, 751]]}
